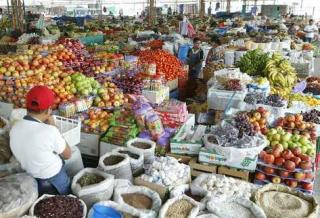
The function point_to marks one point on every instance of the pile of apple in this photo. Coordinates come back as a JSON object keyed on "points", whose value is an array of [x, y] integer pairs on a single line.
{"points": [[296, 125], [96, 121], [109, 95], [258, 118], [85, 86]]}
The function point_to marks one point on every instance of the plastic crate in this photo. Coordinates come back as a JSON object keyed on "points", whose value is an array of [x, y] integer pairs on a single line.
{"points": [[222, 99], [70, 129]]}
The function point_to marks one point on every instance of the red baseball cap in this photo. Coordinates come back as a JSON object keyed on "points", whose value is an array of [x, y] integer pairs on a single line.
{"points": [[40, 98]]}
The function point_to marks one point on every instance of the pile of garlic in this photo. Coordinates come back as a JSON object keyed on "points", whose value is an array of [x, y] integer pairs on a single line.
{"points": [[223, 186], [167, 171]]}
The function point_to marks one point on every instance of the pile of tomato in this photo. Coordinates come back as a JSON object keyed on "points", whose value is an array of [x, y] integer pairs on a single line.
{"points": [[166, 63]]}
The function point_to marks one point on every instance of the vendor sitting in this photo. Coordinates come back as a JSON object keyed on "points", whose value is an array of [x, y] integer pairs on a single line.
{"points": [[38, 145]]}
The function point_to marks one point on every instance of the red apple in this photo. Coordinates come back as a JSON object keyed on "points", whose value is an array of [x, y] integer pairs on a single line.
{"points": [[307, 186], [268, 170], [260, 176], [291, 183], [284, 174], [279, 161], [304, 157], [299, 176], [296, 160], [296, 151], [268, 158], [276, 180], [306, 165], [287, 154], [309, 175], [289, 165], [276, 152]]}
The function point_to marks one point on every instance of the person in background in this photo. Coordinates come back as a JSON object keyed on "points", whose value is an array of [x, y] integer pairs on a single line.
{"points": [[183, 26], [209, 10], [310, 31], [169, 11], [38, 145], [293, 29], [213, 54]]}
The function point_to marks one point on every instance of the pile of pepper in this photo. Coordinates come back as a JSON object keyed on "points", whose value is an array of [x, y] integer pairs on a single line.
{"points": [[167, 64], [155, 44]]}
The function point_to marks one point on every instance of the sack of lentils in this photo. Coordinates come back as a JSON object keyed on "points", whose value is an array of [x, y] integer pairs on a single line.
{"points": [[136, 159], [141, 200], [126, 212], [182, 207], [117, 165], [17, 194], [92, 185], [235, 207], [281, 201], [59, 206], [145, 146]]}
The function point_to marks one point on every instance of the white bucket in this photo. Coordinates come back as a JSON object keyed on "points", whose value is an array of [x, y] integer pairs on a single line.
{"points": [[229, 57]]}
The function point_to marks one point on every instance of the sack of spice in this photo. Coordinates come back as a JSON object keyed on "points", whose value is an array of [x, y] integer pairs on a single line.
{"points": [[140, 199], [92, 185], [58, 206], [183, 205], [145, 146], [235, 207], [282, 201], [17, 194], [126, 212], [117, 165], [136, 158]]}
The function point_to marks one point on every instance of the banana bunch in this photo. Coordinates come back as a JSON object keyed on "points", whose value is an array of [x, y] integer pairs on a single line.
{"points": [[253, 62], [280, 73]]}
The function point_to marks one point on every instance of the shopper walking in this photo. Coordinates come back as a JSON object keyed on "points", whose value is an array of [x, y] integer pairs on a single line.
{"points": [[38, 145], [310, 31]]}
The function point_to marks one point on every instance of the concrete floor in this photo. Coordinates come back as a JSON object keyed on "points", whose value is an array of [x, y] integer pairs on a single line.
{"points": [[317, 189]]}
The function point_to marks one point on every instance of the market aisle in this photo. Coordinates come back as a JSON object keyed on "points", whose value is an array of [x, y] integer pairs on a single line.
{"points": [[317, 189]]}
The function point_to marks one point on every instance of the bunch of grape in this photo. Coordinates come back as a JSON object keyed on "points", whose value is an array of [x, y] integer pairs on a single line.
{"points": [[312, 116], [254, 98], [274, 101], [242, 123]]}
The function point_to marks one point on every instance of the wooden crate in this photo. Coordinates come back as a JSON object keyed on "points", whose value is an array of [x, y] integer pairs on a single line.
{"points": [[197, 168], [181, 158], [233, 172]]}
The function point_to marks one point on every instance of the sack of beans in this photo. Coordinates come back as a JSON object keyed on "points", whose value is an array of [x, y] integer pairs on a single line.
{"points": [[117, 165], [59, 206], [126, 212], [183, 205], [17, 194], [92, 185], [136, 158], [235, 207], [141, 200], [145, 146]]}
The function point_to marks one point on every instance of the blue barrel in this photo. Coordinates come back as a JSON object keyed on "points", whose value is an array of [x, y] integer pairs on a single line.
{"points": [[183, 52], [100, 211]]}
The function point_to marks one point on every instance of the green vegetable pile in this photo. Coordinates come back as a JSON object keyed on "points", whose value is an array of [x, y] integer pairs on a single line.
{"points": [[253, 62]]}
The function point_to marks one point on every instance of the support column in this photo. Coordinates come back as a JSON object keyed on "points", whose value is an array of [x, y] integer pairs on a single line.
{"points": [[152, 11], [228, 6], [202, 8]]}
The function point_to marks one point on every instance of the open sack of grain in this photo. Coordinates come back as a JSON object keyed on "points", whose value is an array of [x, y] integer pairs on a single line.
{"points": [[117, 165], [183, 206], [59, 206], [281, 201], [235, 207], [139, 199], [17, 194], [92, 185], [136, 158], [145, 146]]}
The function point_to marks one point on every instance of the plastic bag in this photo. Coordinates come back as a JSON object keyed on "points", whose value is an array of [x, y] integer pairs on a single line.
{"points": [[31, 212], [136, 163], [120, 170], [93, 193], [148, 153], [17, 115], [119, 207], [193, 213], [75, 163], [214, 207], [143, 213], [17, 194]]}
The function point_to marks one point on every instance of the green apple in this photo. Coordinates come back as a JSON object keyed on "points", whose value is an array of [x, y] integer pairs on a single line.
{"points": [[304, 141], [272, 131], [304, 149], [311, 152], [295, 138], [292, 145], [286, 137], [285, 145], [273, 143], [276, 137]]}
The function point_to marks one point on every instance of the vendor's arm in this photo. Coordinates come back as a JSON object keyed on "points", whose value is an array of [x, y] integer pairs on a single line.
{"points": [[60, 146]]}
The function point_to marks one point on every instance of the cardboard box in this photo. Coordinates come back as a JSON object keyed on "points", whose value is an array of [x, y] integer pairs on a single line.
{"points": [[157, 97], [161, 190], [107, 147], [210, 156], [89, 144]]}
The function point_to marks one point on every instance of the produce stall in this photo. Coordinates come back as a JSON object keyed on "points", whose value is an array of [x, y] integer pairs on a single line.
{"points": [[251, 142]]}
